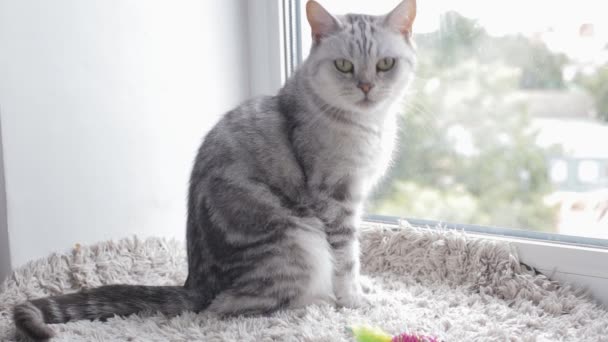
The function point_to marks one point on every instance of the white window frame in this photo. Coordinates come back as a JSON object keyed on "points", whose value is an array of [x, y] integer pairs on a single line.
{"points": [[584, 266], [266, 48]]}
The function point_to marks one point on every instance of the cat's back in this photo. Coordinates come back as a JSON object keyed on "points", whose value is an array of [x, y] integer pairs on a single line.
{"points": [[252, 118], [251, 140]]}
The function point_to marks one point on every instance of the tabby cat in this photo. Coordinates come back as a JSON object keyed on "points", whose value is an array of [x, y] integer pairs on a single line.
{"points": [[277, 188]]}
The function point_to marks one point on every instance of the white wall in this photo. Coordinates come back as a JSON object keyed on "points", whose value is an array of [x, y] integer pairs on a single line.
{"points": [[5, 254], [104, 104]]}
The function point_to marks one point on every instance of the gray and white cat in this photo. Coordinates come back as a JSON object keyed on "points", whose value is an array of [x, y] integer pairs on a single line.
{"points": [[277, 188]]}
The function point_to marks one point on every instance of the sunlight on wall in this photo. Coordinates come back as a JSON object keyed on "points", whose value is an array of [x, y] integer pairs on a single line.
{"points": [[104, 106]]}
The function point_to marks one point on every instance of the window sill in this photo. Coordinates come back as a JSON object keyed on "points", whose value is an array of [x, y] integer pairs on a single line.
{"points": [[582, 266]]}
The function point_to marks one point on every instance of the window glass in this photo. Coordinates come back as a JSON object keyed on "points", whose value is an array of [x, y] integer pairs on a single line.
{"points": [[506, 123], [559, 171], [589, 171]]}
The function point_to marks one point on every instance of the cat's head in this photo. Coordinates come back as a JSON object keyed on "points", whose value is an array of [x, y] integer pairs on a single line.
{"points": [[360, 62]]}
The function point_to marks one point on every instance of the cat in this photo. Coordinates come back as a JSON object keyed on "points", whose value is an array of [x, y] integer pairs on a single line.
{"points": [[277, 187]]}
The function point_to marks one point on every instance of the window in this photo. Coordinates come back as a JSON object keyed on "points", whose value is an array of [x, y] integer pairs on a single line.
{"points": [[558, 171], [589, 171], [507, 122]]}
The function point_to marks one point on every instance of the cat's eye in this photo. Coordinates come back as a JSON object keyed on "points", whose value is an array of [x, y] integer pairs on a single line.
{"points": [[344, 65], [385, 64]]}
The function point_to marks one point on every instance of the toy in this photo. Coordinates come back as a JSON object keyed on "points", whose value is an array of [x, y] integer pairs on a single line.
{"points": [[369, 334]]}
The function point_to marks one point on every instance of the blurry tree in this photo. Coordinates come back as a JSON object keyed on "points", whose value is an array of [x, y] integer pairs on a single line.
{"points": [[541, 69], [457, 39], [597, 84], [465, 154]]}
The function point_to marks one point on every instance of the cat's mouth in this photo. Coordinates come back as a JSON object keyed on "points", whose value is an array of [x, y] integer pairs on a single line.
{"points": [[366, 102]]}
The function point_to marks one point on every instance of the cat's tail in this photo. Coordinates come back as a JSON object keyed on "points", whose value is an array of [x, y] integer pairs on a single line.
{"points": [[103, 302]]}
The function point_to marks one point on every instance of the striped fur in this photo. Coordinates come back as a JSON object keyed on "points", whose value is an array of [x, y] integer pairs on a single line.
{"points": [[277, 188]]}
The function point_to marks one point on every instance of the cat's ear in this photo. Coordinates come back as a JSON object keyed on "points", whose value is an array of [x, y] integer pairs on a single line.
{"points": [[401, 18], [322, 23]]}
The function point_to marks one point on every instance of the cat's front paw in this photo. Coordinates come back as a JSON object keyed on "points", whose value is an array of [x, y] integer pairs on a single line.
{"points": [[353, 300], [367, 284]]}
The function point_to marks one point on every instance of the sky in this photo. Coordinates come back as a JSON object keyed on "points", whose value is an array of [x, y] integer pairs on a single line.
{"points": [[560, 20], [498, 16]]}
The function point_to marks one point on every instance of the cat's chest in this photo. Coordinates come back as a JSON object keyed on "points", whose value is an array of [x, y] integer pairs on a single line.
{"points": [[349, 164], [354, 150], [349, 149]]}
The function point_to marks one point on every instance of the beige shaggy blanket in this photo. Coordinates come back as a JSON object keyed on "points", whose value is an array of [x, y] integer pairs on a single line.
{"points": [[429, 281]]}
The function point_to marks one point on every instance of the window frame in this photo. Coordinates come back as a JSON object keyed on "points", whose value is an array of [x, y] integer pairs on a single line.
{"points": [[266, 33], [275, 49], [578, 261]]}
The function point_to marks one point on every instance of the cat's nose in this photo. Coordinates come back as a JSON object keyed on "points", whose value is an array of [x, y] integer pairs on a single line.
{"points": [[365, 86]]}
